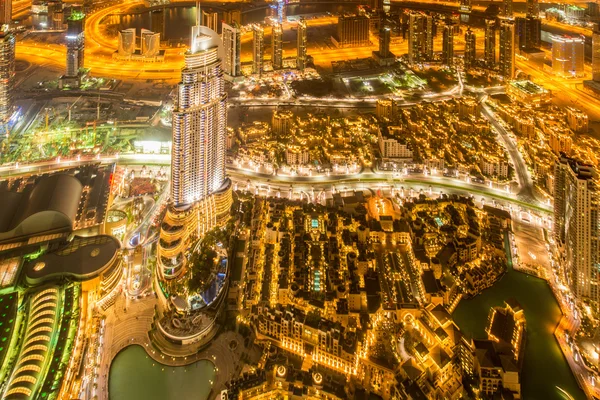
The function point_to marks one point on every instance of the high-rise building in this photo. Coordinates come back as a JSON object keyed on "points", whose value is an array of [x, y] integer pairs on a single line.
{"points": [[126, 42], [281, 11], [150, 43], [420, 40], [277, 47], [490, 43], [576, 224], [231, 16], [568, 56], [352, 31], [7, 74], [506, 61], [301, 45], [232, 45], [528, 33], [281, 123], [5, 12], [210, 19], [258, 47], [75, 43], [596, 54], [448, 44], [470, 48], [384, 42], [199, 121], [533, 8], [507, 8]]}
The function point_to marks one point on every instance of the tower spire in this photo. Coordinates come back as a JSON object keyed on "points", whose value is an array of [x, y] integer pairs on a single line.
{"points": [[198, 13]]}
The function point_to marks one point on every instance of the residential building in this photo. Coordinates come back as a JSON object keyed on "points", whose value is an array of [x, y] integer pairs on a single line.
{"points": [[352, 31], [232, 47], [576, 222], [470, 48], [490, 43], [393, 144], [301, 42], [277, 47], [281, 123], [7, 74], [258, 44], [506, 60], [568, 56]]}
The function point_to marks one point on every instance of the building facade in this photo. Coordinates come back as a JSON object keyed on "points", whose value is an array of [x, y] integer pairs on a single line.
{"points": [[470, 49], [448, 44], [490, 43]]}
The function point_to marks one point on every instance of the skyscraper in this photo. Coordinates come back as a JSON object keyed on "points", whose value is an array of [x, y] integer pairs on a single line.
{"points": [[507, 8], [507, 48], [301, 44], [470, 49], [7, 74], [384, 42], [568, 56], [232, 45], [448, 44], [126, 42], [490, 43], [258, 43], [277, 47], [576, 222], [420, 40], [199, 121], [75, 44], [533, 8], [5, 12]]}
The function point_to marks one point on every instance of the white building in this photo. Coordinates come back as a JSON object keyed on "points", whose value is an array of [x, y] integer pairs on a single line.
{"points": [[126, 42], [392, 146], [568, 56]]}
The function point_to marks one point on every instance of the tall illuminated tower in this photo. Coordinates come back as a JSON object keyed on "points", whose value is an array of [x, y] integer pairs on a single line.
{"points": [[258, 44], [7, 74], [277, 47], [199, 121], [506, 60], [490, 43], [232, 45], [470, 48], [301, 44], [75, 44], [420, 41], [448, 44]]}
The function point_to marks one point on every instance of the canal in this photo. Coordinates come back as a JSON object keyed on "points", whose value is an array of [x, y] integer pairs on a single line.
{"points": [[544, 366], [135, 376]]}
